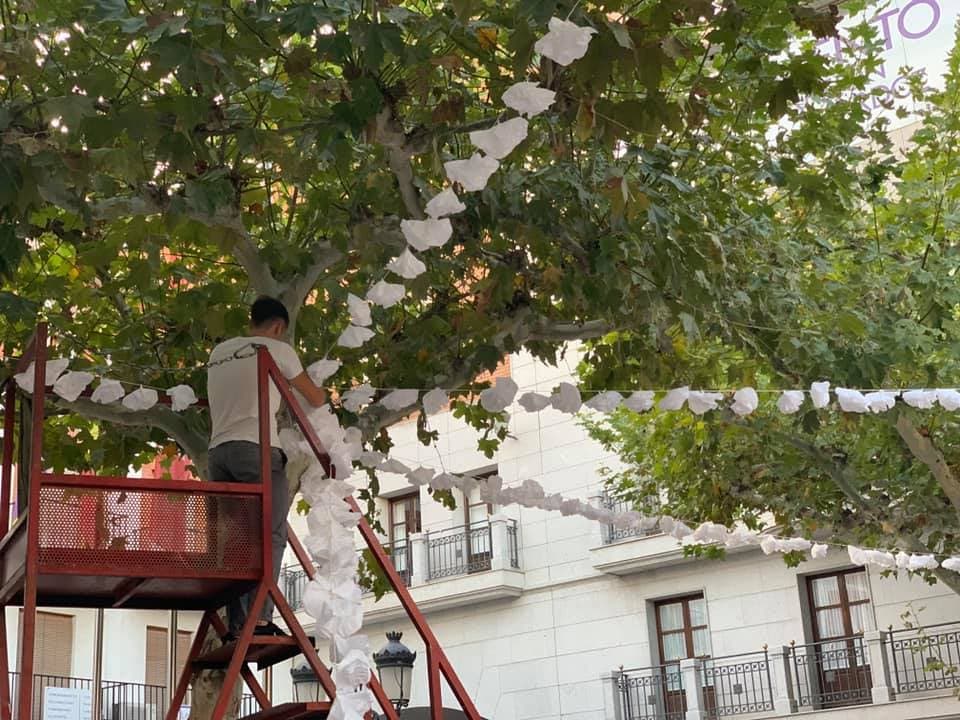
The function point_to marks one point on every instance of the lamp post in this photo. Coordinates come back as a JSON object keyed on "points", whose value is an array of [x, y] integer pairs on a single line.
{"points": [[395, 669], [306, 684]]}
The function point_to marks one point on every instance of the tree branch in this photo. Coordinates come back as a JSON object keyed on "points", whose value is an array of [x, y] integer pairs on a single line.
{"points": [[244, 250], [926, 452], [543, 329], [297, 289], [389, 133], [159, 416]]}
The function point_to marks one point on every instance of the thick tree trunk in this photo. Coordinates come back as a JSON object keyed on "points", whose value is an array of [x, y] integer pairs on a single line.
{"points": [[206, 689]]}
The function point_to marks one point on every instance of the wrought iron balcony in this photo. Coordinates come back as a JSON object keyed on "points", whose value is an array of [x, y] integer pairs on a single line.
{"points": [[612, 533]]}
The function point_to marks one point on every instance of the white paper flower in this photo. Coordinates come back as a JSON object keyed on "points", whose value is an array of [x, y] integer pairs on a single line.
{"points": [[819, 551], [857, 556], [741, 536], [434, 401], [920, 399], [498, 398], [880, 559], [354, 336], [445, 203], [359, 310], [923, 562], [708, 533], [903, 560], [421, 476], [352, 671], [472, 174], [565, 42], [640, 401], [745, 401], [323, 369], [500, 140], [351, 705], [790, 402], [675, 399], [71, 384], [702, 402], [680, 530], [528, 98], [181, 397], [534, 402], [354, 642], [949, 399], [371, 458], [820, 394], [141, 399], [851, 401], [444, 481], [881, 401], [335, 603], [386, 294], [566, 399], [951, 563], [394, 466], [490, 488], [52, 370], [426, 234], [407, 265], [355, 398], [605, 402], [107, 391], [399, 399]]}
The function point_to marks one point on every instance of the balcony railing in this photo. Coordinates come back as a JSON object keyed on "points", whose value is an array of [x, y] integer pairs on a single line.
{"points": [[293, 584], [831, 673], [612, 533], [925, 659], [459, 551], [652, 693], [737, 684], [118, 700]]}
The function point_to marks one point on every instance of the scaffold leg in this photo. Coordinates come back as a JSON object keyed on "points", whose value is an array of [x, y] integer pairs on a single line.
{"points": [[240, 653], [4, 668], [181, 692]]}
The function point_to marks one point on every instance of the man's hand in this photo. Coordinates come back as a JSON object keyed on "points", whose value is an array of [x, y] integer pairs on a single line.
{"points": [[314, 394]]}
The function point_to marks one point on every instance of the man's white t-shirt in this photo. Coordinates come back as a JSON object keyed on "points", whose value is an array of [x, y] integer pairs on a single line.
{"points": [[232, 389]]}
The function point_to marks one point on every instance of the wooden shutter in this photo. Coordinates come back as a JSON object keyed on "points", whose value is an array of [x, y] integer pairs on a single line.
{"points": [[156, 671], [53, 646]]}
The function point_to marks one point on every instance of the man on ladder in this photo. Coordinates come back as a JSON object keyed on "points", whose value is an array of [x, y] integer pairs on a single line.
{"points": [[234, 443]]}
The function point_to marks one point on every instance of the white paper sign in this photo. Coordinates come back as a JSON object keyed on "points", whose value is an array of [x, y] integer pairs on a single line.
{"points": [[184, 713], [66, 703]]}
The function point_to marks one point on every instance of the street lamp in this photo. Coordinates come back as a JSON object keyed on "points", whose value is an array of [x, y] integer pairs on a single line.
{"points": [[306, 684], [395, 669]]}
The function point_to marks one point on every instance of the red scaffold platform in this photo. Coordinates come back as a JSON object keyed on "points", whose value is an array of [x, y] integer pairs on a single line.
{"points": [[119, 542]]}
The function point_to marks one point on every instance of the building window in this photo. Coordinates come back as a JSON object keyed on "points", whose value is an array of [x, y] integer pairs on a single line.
{"points": [[53, 644], [840, 604], [156, 669], [404, 515], [682, 630], [840, 612]]}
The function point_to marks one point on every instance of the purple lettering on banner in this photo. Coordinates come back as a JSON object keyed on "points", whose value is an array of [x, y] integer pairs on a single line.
{"points": [[884, 21], [917, 34], [837, 47]]}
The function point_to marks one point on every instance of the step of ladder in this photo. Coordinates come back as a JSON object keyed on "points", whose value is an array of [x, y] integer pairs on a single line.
{"points": [[265, 651], [292, 711]]}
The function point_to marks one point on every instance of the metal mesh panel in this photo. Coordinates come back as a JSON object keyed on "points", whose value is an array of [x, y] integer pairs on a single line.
{"points": [[149, 533]]}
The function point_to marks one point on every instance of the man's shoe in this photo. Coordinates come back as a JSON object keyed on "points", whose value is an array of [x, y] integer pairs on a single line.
{"points": [[269, 628]]}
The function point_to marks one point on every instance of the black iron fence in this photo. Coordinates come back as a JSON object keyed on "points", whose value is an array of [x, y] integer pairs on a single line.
{"points": [[737, 684], [925, 659], [831, 673], [293, 584], [118, 701], [513, 542], [612, 533], [459, 551], [652, 693]]}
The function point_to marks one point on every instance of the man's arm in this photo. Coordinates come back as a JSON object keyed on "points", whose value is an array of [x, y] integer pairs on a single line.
{"points": [[314, 394]]}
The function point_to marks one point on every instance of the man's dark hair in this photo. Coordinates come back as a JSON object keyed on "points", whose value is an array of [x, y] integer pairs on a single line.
{"points": [[266, 309]]}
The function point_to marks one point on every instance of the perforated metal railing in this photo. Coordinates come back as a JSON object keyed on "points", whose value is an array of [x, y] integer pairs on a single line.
{"points": [[148, 532]]}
